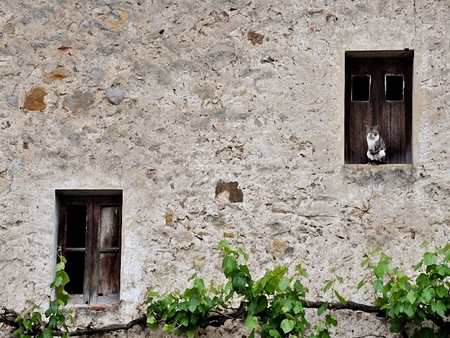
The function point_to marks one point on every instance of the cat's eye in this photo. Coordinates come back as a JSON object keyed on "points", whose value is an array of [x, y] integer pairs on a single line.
{"points": [[394, 86], [361, 88]]}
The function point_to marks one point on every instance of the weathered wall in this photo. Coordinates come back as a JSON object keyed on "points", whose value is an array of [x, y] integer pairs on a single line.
{"points": [[165, 99]]}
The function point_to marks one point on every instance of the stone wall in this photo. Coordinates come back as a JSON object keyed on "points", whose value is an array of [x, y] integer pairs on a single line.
{"points": [[171, 101]]}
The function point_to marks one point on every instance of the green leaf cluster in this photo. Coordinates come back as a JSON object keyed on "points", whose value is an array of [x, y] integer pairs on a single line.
{"points": [[273, 305], [415, 300], [30, 323]]}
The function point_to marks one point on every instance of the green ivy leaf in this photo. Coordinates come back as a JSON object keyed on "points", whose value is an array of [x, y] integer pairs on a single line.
{"points": [[168, 328], [409, 311], [424, 244], [418, 265], [301, 271], [48, 333], [331, 319], [328, 286], [284, 283], [240, 282], [52, 321], [243, 253], [199, 284], [153, 323], [381, 269], [298, 307], [287, 325], [441, 291], [439, 308], [361, 283], [251, 323], [274, 333], [191, 332], [223, 244], [60, 266], [428, 294], [193, 303], [430, 258], [411, 297], [385, 257], [365, 262], [229, 265], [443, 270], [64, 277], [341, 299], [423, 280], [262, 303], [322, 309], [57, 282]]}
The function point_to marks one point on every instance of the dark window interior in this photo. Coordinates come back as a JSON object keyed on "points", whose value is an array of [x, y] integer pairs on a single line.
{"points": [[75, 270], [394, 87], [76, 226], [361, 88]]}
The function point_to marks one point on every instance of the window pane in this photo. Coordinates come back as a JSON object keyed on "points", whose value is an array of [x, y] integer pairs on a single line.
{"points": [[109, 227], [394, 87], [109, 274], [76, 226], [75, 270], [361, 88]]}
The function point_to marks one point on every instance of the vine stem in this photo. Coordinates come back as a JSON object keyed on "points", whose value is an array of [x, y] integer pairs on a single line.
{"points": [[216, 319]]}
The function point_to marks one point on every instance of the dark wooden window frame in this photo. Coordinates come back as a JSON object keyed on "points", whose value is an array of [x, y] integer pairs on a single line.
{"points": [[393, 116], [100, 266]]}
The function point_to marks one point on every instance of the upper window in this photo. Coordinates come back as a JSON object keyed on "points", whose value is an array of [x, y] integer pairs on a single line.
{"points": [[89, 233], [378, 91]]}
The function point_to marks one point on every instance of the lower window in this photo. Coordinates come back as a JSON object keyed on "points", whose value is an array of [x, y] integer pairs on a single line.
{"points": [[89, 234]]}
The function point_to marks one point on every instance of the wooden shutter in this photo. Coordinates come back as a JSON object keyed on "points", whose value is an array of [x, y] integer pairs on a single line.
{"points": [[389, 104], [89, 234]]}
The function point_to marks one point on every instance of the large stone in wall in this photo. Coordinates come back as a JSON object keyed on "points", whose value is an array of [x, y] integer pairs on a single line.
{"points": [[79, 100], [35, 99], [58, 74]]}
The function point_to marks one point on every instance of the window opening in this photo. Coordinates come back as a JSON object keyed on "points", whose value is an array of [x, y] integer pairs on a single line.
{"points": [[89, 233], [361, 88], [378, 92], [394, 87]]}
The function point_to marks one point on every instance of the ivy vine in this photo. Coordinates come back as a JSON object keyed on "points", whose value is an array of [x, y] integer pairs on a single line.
{"points": [[422, 302], [272, 306], [29, 323]]}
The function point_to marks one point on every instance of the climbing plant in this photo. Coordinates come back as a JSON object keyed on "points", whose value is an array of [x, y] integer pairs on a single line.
{"points": [[274, 304], [423, 301], [29, 324]]}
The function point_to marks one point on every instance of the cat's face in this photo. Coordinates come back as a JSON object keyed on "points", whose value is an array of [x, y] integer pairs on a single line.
{"points": [[372, 132]]}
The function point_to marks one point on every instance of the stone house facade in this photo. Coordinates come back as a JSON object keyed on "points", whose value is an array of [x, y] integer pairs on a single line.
{"points": [[193, 121]]}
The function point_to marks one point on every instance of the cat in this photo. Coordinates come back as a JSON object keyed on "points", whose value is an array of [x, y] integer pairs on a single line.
{"points": [[377, 148]]}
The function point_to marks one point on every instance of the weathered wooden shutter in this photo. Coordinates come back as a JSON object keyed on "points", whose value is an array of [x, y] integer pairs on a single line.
{"points": [[378, 91], [90, 236], [109, 216]]}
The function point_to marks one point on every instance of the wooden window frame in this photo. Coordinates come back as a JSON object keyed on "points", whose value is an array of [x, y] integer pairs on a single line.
{"points": [[393, 117], [100, 283]]}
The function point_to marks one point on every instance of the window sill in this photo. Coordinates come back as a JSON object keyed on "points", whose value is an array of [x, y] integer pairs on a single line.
{"points": [[392, 174], [102, 301]]}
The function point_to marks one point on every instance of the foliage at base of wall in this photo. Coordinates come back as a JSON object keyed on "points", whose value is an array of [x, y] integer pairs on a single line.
{"points": [[274, 305], [29, 323]]}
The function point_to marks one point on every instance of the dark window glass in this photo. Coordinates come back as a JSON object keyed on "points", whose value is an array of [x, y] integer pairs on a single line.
{"points": [[361, 88], [394, 87]]}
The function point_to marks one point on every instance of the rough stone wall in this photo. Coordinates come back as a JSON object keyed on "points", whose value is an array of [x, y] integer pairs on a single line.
{"points": [[173, 100]]}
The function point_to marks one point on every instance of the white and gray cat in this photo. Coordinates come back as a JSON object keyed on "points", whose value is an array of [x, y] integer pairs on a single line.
{"points": [[377, 148]]}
